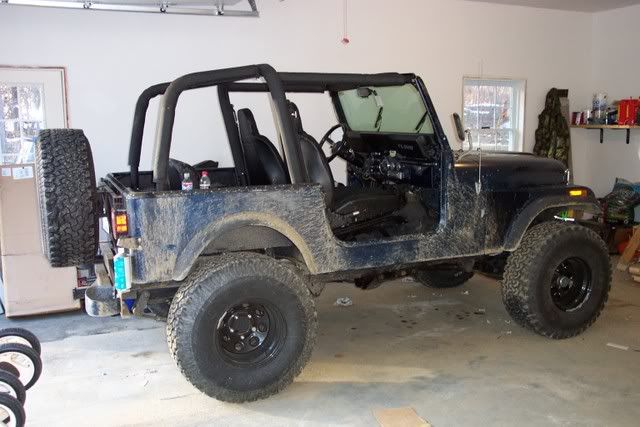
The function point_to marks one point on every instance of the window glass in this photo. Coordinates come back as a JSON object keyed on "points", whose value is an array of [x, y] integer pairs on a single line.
{"points": [[494, 113], [398, 109], [22, 107]]}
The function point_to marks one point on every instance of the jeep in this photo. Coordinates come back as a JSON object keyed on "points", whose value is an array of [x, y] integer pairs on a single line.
{"points": [[234, 268]]}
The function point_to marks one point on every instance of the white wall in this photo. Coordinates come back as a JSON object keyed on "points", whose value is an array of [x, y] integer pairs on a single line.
{"points": [[112, 56], [616, 70]]}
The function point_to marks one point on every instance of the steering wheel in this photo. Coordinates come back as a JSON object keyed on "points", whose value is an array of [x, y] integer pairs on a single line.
{"points": [[336, 147]]}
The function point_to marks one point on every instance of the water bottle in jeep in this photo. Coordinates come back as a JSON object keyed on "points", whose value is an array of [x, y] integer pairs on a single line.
{"points": [[187, 183], [205, 181]]}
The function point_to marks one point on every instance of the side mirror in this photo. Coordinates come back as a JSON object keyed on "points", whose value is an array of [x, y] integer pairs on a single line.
{"points": [[457, 122]]}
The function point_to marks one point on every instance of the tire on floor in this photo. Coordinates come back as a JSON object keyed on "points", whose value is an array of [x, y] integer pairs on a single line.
{"points": [[242, 326], [557, 282]]}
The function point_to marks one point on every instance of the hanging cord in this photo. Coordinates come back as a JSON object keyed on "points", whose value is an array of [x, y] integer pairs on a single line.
{"points": [[345, 34]]}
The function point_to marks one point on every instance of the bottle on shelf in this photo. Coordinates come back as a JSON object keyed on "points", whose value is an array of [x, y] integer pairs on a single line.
{"points": [[187, 183], [205, 181]]}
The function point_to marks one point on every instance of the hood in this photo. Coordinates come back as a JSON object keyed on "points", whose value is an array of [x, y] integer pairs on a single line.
{"points": [[509, 171]]}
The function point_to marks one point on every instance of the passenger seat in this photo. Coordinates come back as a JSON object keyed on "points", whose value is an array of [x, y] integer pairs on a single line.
{"points": [[264, 164]]}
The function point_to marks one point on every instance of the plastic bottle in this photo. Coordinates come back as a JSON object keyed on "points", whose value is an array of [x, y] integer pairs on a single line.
{"points": [[205, 181], [122, 270], [187, 183]]}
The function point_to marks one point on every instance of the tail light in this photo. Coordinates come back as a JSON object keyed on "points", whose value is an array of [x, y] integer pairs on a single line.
{"points": [[119, 223]]}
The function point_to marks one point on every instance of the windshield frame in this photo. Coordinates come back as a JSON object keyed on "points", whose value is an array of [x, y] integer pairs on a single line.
{"points": [[430, 113]]}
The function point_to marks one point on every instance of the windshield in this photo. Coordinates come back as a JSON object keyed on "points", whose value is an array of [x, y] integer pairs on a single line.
{"points": [[398, 109]]}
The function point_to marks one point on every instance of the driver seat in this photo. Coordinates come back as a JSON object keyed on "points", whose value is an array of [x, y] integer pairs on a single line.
{"points": [[360, 204]]}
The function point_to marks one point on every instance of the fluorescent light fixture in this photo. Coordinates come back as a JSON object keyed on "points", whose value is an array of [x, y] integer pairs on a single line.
{"points": [[193, 7]]}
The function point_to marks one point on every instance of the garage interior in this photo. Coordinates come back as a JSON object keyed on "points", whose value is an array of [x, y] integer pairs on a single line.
{"points": [[403, 353]]}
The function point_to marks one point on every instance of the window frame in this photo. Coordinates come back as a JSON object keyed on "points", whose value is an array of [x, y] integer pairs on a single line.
{"points": [[342, 116], [520, 87]]}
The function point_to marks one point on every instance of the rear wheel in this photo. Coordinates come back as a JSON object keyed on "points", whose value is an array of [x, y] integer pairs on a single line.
{"points": [[242, 327], [557, 282], [445, 278], [66, 184]]}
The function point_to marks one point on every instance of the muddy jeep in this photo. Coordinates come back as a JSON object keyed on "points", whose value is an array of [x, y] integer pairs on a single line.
{"points": [[234, 268]]}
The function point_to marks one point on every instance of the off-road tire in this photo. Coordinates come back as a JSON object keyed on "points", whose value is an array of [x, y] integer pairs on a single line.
{"points": [[12, 384], [526, 287], [17, 416], [20, 336], [67, 195], [447, 278], [212, 288]]}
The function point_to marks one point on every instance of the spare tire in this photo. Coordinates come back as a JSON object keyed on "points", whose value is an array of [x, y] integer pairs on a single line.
{"points": [[68, 198]]}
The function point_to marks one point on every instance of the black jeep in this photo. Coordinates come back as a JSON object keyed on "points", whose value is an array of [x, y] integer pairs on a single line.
{"points": [[235, 267]]}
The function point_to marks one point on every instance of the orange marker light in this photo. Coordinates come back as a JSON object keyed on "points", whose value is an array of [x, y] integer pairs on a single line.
{"points": [[121, 224], [577, 193]]}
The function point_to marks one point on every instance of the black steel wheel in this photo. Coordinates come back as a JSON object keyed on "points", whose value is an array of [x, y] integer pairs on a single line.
{"points": [[557, 282], [11, 411], [242, 326], [251, 332], [571, 284]]}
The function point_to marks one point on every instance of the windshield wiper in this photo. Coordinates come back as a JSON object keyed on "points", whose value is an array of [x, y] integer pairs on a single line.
{"points": [[421, 122], [378, 123]]}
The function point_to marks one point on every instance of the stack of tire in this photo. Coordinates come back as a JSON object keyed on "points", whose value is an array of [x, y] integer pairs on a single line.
{"points": [[20, 368]]}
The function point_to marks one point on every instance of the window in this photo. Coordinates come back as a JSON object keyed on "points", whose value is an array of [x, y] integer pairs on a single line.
{"points": [[31, 99], [398, 109], [494, 113], [23, 117]]}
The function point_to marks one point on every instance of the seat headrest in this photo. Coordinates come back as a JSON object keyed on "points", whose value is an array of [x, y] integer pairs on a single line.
{"points": [[247, 123], [294, 112]]}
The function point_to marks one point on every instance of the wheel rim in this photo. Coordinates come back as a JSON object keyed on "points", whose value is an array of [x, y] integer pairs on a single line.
{"points": [[251, 332], [8, 389], [7, 417], [571, 284], [22, 363], [15, 339]]}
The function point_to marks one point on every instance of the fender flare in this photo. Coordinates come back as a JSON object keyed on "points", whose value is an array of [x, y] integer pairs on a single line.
{"points": [[533, 209], [189, 255]]}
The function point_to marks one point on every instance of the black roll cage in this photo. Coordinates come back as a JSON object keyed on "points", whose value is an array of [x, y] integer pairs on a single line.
{"points": [[230, 80]]}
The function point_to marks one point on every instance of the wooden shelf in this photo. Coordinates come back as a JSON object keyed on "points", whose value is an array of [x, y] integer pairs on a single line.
{"points": [[601, 128]]}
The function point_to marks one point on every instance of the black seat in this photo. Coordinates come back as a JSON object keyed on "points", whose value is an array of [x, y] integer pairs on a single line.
{"points": [[264, 164], [176, 172], [177, 169], [360, 203]]}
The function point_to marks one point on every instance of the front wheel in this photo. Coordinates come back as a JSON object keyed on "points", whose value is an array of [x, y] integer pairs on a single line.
{"points": [[557, 282], [241, 327]]}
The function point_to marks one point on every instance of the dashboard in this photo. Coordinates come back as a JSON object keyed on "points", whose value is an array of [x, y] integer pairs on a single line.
{"points": [[394, 158]]}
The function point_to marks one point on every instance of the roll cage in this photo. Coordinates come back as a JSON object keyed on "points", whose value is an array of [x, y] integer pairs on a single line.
{"points": [[277, 84]]}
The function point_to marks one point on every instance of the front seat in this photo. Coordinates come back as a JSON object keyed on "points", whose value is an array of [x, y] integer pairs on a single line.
{"points": [[264, 164], [359, 203]]}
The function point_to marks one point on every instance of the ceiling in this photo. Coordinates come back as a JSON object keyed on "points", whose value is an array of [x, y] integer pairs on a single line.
{"points": [[576, 5]]}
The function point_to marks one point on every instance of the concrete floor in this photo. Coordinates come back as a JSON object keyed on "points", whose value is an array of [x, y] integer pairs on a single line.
{"points": [[400, 345]]}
